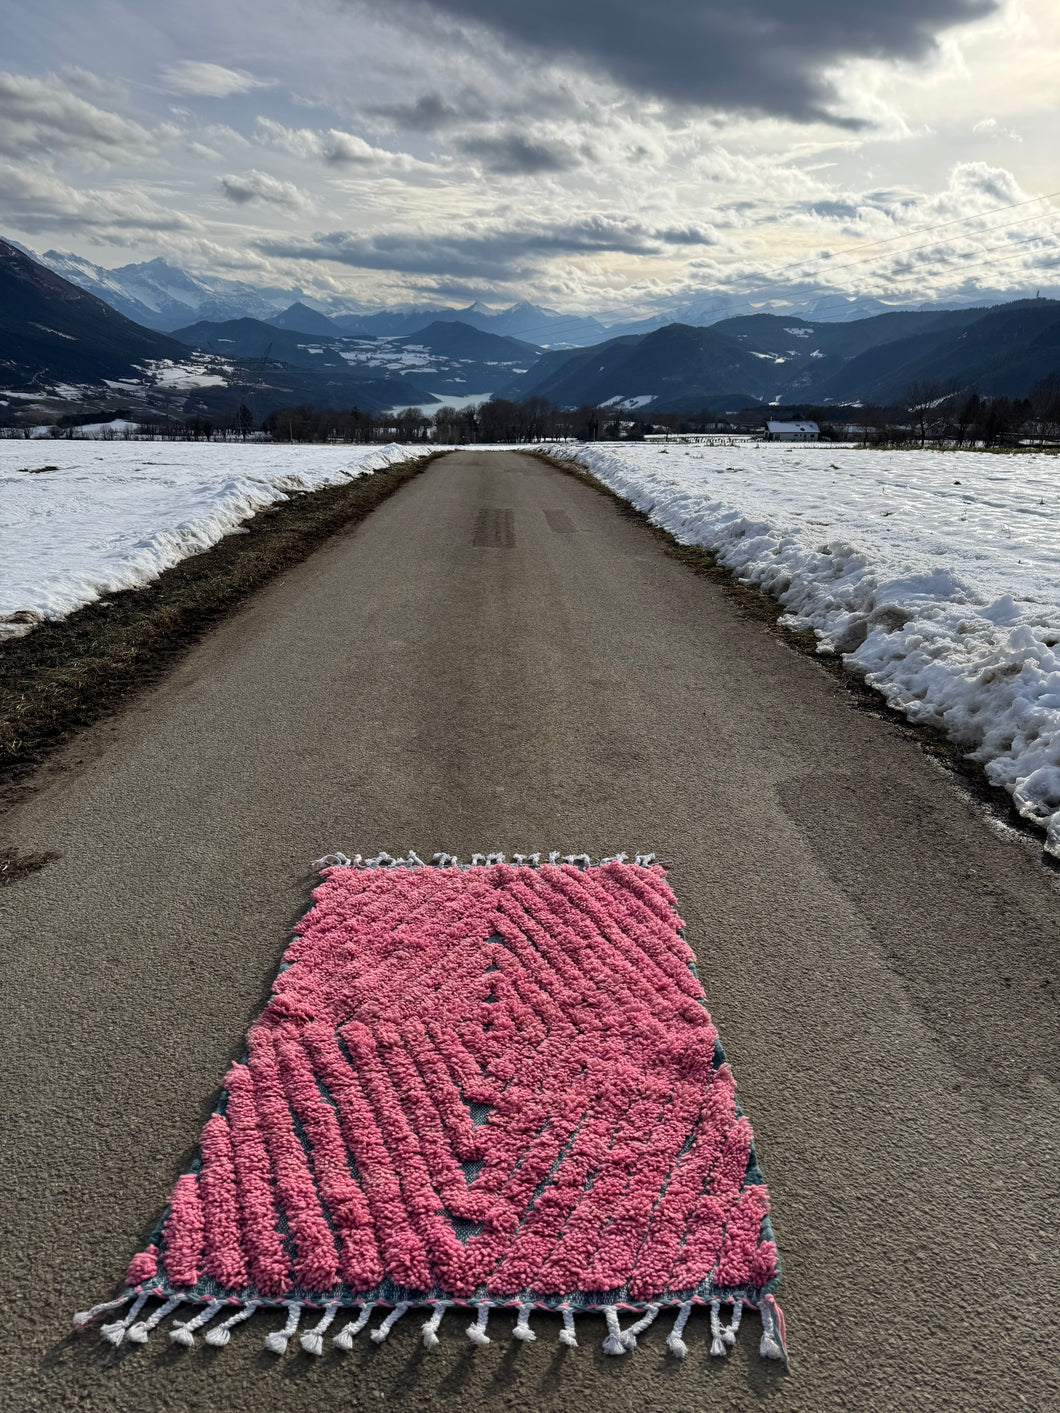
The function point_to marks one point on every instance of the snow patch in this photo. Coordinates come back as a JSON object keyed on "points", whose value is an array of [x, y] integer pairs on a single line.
{"points": [[114, 515], [936, 575]]}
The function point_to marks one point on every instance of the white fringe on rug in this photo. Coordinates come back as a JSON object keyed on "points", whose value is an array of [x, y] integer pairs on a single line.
{"points": [[617, 1342]]}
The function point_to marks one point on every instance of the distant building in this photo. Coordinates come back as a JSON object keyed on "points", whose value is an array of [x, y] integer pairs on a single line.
{"points": [[792, 432]]}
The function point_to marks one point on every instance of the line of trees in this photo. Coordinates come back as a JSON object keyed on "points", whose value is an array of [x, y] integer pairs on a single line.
{"points": [[931, 414]]}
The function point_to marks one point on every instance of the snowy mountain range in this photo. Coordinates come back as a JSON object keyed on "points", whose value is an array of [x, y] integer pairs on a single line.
{"points": [[164, 297]]}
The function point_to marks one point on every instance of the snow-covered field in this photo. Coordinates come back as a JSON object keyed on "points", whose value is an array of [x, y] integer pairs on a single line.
{"points": [[936, 574], [113, 515]]}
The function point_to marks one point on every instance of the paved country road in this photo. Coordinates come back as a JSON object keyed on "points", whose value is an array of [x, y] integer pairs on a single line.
{"points": [[499, 659]]}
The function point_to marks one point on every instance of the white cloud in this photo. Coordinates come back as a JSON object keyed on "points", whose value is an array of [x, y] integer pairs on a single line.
{"points": [[42, 117], [208, 80], [37, 201]]}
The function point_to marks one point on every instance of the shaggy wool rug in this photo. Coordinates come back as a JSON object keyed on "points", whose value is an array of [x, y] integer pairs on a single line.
{"points": [[479, 1087]]}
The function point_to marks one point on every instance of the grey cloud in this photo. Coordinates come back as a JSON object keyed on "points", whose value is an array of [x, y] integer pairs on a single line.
{"points": [[491, 254], [429, 113], [758, 56], [250, 186], [687, 235], [830, 210], [514, 155]]}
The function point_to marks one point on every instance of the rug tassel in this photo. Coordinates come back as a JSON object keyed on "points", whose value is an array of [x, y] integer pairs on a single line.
{"points": [[85, 1317], [643, 860], [313, 1340], [115, 1333], [522, 1325], [388, 1324], [729, 1334], [344, 1338], [773, 1345], [613, 1343], [553, 857], [219, 1336], [717, 1344], [578, 860], [138, 1333], [476, 1333], [674, 1343], [185, 1334], [430, 1327], [629, 1337], [276, 1343], [566, 1334]]}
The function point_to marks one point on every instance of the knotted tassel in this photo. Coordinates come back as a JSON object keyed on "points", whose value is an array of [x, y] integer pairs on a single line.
{"points": [[773, 1344], [717, 1343], [219, 1336], [85, 1317], [643, 860], [344, 1338], [674, 1343], [476, 1333], [613, 1343], [388, 1324], [522, 1325], [566, 1334], [138, 1333], [729, 1334], [313, 1340], [115, 1333], [629, 1337], [430, 1327], [185, 1334], [276, 1343]]}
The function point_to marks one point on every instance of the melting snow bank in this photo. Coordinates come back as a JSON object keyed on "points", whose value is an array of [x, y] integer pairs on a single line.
{"points": [[78, 520], [947, 600]]}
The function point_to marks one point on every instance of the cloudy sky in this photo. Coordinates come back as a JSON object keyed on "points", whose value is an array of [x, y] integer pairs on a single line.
{"points": [[590, 155]]}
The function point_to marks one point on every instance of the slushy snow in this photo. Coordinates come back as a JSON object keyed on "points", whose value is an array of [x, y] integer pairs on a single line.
{"points": [[114, 515], [934, 574]]}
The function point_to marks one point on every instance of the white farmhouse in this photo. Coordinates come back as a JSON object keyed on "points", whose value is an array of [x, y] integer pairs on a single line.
{"points": [[792, 432]]}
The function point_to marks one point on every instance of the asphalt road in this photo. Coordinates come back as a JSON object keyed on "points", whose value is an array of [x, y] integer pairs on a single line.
{"points": [[499, 659]]}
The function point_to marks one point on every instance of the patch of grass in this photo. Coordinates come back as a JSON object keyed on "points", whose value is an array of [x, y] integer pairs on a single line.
{"points": [[15, 866], [764, 609], [65, 675]]}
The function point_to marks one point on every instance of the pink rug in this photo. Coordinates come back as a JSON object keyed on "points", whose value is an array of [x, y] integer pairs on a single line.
{"points": [[487, 1086]]}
